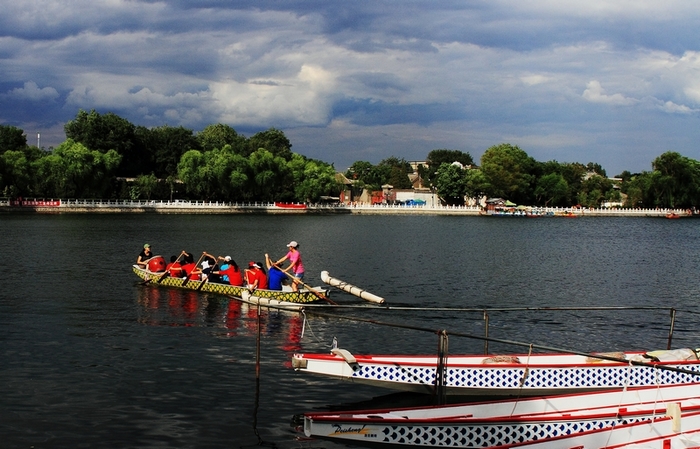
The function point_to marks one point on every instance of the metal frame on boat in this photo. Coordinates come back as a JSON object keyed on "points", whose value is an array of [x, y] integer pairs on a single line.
{"points": [[511, 375], [286, 295]]}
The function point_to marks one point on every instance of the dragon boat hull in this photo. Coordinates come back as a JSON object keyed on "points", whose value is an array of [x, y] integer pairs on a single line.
{"points": [[287, 296], [503, 423], [512, 375]]}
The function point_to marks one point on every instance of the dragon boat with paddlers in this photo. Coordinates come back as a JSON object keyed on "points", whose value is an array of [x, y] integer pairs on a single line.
{"points": [[164, 279]]}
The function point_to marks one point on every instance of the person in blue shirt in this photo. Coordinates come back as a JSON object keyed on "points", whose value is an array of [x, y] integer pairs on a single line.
{"points": [[275, 276]]}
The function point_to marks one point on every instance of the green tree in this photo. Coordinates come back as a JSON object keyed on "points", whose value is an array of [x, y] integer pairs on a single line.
{"points": [[551, 189], [147, 184], [104, 132], [594, 191], [676, 181], [395, 171], [451, 184], [272, 140], [444, 156], [509, 172], [194, 173], [639, 190], [16, 174], [312, 179], [476, 183], [217, 136], [168, 144], [12, 139], [232, 173], [17, 171], [74, 171], [593, 167], [271, 176], [359, 173]]}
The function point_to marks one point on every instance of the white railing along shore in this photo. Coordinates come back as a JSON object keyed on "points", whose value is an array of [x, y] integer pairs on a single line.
{"points": [[359, 207]]}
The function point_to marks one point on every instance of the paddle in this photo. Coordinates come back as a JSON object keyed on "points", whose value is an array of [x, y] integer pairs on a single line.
{"points": [[206, 280], [171, 266], [167, 272], [187, 279], [146, 281], [309, 288]]}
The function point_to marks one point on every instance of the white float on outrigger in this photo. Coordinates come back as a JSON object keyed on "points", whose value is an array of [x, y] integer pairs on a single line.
{"points": [[349, 288]]}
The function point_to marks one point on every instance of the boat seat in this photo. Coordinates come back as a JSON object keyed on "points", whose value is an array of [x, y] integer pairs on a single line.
{"points": [[617, 355], [347, 356], [500, 359], [672, 355]]}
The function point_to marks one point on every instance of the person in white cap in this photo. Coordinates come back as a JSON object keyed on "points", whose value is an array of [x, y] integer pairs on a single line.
{"points": [[295, 264]]}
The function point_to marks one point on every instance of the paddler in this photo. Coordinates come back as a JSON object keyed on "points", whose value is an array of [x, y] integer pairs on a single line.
{"points": [[142, 260]]}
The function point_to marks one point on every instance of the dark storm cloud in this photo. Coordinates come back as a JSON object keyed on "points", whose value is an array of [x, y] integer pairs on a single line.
{"points": [[566, 81]]}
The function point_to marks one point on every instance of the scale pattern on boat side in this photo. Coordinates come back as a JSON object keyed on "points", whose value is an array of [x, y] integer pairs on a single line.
{"points": [[550, 378], [226, 289], [478, 436]]}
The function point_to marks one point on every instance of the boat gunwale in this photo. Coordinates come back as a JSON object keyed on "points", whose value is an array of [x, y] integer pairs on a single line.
{"points": [[632, 391], [430, 361], [660, 419], [546, 417]]}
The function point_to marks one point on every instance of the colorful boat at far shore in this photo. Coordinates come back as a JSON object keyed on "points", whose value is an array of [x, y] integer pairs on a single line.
{"points": [[286, 295]]}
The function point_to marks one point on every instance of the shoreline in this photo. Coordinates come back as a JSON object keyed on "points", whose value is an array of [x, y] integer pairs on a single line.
{"points": [[211, 208]]}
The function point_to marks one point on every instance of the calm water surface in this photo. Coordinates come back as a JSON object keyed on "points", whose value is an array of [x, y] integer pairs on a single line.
{"points": [[91, 358]]}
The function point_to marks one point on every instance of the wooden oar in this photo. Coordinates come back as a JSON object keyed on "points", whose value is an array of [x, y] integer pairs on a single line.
{"points": [[167, 272], [308, 287], [171, 266], [160, 278], [204, 281], [187, 279]]}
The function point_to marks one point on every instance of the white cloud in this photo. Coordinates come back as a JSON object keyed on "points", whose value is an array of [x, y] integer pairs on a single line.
{"points": [[304, 99], [32, 92], [674, 108], [424, 76], [596, 94]]}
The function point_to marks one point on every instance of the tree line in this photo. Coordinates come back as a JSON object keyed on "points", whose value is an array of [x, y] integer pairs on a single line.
{"points": [[106, 156], [508, 172]]}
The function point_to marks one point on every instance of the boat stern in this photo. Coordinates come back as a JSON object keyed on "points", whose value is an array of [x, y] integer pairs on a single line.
{"points": [[336, 364]]}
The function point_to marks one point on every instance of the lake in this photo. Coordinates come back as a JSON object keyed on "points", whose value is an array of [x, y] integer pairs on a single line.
{"points": [[92, 358]]}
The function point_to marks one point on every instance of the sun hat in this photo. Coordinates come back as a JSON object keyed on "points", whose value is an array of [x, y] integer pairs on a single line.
{"points": [[292, 244]]}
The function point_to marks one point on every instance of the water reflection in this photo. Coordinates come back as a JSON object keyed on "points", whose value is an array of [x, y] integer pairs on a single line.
{"points": [[160, 306]]}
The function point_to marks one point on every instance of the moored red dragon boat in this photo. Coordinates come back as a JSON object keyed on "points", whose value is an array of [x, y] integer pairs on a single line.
{"points": [[507, 422], [287, 295], [507, 375]]}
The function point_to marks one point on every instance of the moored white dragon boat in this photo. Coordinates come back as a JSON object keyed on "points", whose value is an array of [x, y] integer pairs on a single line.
{"points": [[676, 430], [512, 375], [507, 422], [303, 296]]}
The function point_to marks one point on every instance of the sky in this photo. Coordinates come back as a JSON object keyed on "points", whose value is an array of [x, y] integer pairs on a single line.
{"points": [[611, 82]]}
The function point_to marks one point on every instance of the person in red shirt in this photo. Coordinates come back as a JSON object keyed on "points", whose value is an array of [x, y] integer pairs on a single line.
{"points": [[188, 268], [255, 277], [230, 272], [174, 267]]}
